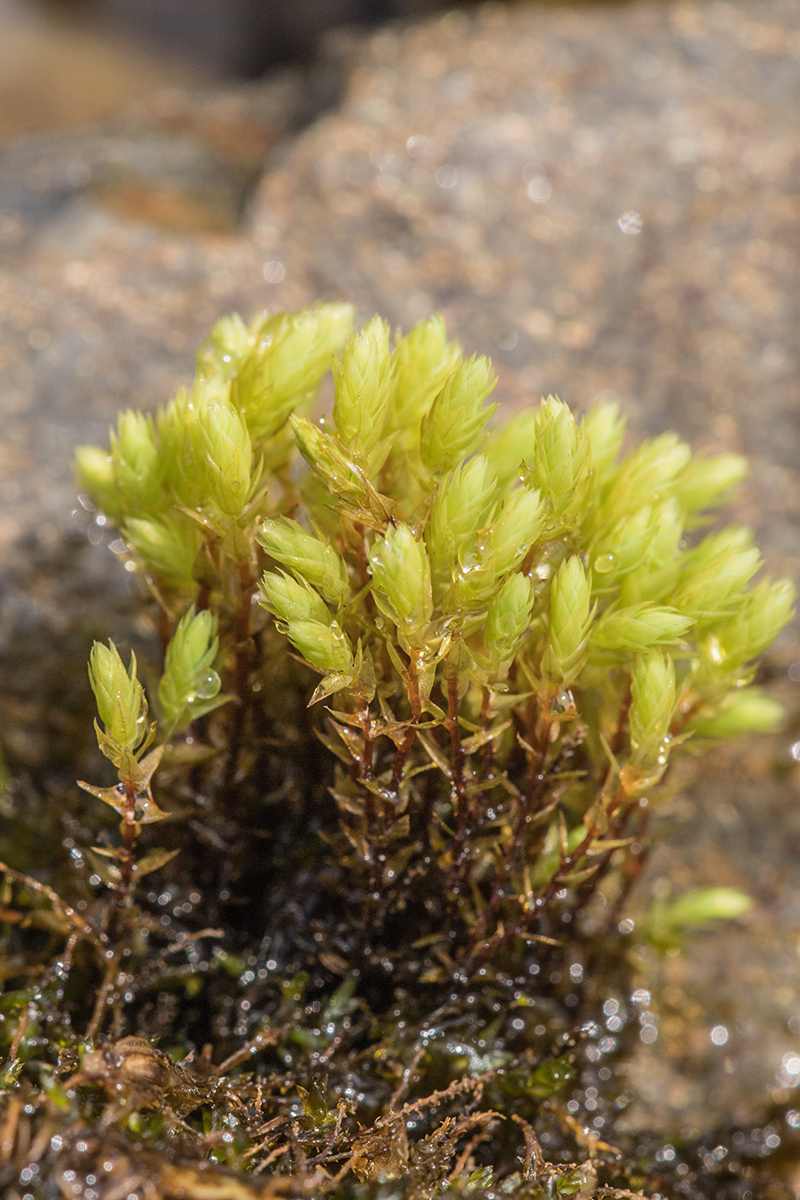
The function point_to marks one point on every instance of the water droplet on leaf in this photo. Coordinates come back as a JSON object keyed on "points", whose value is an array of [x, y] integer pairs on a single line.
{"points": [[205, 686]]}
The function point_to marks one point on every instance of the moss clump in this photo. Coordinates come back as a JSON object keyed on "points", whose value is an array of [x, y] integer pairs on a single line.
{"points": [[422, 683]]}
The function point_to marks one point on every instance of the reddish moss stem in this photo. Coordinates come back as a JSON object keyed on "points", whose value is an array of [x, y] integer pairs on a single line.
{"points": [[457, 785], [487, 755], [130, 831], [414, 699], [242, 670]]}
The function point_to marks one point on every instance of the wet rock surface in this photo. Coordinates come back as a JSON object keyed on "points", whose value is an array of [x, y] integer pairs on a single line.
{"points": [[602, 200]]}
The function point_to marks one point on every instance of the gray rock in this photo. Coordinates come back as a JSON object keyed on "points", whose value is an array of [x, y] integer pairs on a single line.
{"points": [[483, 166], [242, 37]]}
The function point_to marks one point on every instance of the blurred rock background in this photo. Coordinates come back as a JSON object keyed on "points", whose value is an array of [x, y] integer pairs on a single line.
{"points": [[63, 61], [604, 198]]}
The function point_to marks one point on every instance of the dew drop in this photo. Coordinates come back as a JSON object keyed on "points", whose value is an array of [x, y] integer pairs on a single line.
{"points": [[630, 223], [715, 651], [205, 685], [274, 271], [540, 189], [605, 563]]}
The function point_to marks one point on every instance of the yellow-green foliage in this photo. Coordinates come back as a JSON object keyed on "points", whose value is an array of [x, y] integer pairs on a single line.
{"points": [[522, 608]]}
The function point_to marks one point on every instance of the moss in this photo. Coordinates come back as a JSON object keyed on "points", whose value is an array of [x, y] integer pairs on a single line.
{"points": [[382, 801]]}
